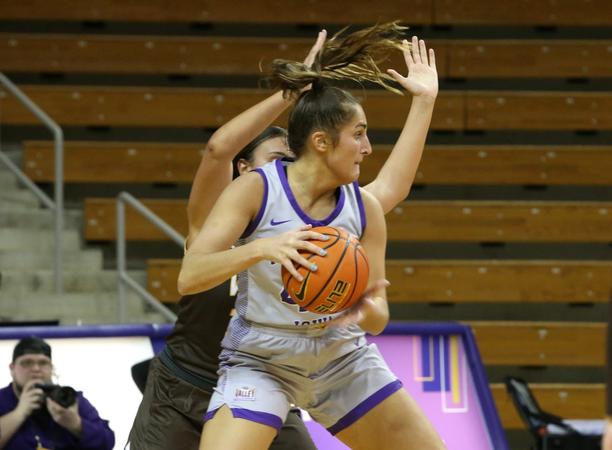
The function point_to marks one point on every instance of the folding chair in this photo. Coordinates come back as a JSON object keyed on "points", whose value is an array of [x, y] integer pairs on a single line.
{"points": [[549, 432]]}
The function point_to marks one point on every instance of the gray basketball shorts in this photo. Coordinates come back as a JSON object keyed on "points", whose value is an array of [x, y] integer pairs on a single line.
{"points": [[334, 376]]}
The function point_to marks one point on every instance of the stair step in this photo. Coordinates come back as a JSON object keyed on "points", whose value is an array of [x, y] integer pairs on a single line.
{"points": [[43, 281], [86, 308], [18, 198], [37, 218], [33, 260], [42, 240]]}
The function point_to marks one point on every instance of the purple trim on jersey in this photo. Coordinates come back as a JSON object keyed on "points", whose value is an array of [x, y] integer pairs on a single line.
{"points": [[296, 207], [365, 406], [263, 418], [362, 214], [262, 208]]}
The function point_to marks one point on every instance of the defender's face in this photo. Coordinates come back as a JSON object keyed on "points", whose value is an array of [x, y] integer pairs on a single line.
{"points": [[267, 151]]}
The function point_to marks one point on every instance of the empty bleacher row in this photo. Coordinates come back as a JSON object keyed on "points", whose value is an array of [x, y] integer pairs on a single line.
{"points": [[425, 12], [211, 107], [141, 162], [411, 221], [462, 154], [91, 53]]}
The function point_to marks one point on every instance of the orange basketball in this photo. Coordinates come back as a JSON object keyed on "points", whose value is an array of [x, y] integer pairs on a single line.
{"points": [[340, 279]]}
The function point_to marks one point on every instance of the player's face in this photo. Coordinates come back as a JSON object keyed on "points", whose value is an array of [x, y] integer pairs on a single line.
{"points": [[267, 151], [31, 367], [353, 145]]}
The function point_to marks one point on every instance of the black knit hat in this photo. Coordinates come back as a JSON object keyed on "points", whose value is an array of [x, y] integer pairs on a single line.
{"points": [[31, 345]]}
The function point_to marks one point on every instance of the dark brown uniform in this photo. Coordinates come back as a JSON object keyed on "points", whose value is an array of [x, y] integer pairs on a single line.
{"points": [[182, 377]]}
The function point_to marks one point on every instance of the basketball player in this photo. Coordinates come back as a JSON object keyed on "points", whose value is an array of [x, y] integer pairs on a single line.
{"points": [[182, 378], [274, 354]]}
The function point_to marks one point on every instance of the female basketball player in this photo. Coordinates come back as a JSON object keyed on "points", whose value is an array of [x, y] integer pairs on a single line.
{"points": [[273, 354]]}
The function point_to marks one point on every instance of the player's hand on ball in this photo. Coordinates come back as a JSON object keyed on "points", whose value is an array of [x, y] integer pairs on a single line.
{"points": [[364, 306], [285, 249]]}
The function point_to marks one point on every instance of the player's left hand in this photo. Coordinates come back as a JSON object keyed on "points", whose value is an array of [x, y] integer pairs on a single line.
{"points": [[422, 78], [365, 306]]}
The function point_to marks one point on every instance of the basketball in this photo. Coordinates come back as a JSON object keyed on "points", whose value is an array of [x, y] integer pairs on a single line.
{"points": [[340, 279]]}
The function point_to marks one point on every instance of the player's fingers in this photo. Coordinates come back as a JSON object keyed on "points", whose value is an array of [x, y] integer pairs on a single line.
{"points": [[416, 54], [408, 53], [376, 286], [423, 52], [299, 259], [395, 75], [288, 264], [315, 249], [432, 58]]}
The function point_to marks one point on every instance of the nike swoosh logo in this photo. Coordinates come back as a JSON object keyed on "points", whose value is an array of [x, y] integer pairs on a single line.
{"points": [[300, 294], [280, 222]]}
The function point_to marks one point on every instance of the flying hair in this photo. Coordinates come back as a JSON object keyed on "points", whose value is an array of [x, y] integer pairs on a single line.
{"points": [[355, 56]]}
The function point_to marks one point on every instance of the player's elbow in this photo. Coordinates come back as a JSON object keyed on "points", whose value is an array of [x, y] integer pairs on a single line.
{"points": [[185, 284]]}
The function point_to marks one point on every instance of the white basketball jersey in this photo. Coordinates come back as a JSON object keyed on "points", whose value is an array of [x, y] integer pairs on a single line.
{"points": [[261, 296]]}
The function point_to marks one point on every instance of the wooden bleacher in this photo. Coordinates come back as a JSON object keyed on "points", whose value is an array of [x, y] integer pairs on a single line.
{"points": [[216, 11], [458, 281], [441, 221], [571, 401], [227, 55], [524, 12], [437, 12], [209, 107], [195, 107], [533, 343], [150, 162]]}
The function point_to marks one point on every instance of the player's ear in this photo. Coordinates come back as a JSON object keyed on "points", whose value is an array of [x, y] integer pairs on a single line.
{"points": [[243, 166], [320, 141]]}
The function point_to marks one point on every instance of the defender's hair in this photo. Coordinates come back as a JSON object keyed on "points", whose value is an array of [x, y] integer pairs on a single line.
{"points": [[247, 152], [355, 57]]}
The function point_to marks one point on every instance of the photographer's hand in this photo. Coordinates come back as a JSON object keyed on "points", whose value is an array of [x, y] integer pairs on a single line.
{"points": [[31, 399], [68, 418]]}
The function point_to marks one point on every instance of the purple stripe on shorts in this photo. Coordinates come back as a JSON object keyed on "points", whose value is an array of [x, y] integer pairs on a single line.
{"points": [[264, 201], [365, 406], [263, 418], [296, 207]]}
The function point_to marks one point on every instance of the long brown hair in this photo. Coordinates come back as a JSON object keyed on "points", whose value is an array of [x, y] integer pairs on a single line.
{"points": [[356, 57]]}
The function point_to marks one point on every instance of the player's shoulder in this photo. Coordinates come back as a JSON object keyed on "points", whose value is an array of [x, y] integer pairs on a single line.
{"points": [[370, 202]]}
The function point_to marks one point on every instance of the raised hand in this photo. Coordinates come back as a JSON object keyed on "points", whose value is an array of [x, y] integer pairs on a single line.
{"points": [[316, 48], [284, 249], [422, 78]]}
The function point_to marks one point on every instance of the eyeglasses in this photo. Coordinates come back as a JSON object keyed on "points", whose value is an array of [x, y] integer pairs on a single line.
{"points": [[29, 363]]}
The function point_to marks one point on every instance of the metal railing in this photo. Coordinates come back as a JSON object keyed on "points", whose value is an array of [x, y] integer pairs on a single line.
{"points": [[123, 278], [56, 205]]}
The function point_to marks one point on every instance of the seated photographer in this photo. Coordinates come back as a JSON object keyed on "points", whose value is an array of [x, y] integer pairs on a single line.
{"points": [[35, 414]]}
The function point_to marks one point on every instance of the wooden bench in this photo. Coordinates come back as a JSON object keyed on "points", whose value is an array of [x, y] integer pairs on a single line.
{"points": [[226, 55], [440, 221], [208, 107], [524, 12], [138, 162], [443, 12], [485, 281], [570, 401], [541, 343], [195, 107], [216, 11]]}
